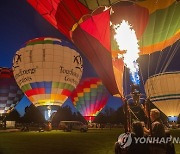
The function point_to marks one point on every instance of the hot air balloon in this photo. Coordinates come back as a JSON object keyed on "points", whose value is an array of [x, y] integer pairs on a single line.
{"points": [[163, 90], [89, 24], [90, 97], [10, 93], [47, 70]]}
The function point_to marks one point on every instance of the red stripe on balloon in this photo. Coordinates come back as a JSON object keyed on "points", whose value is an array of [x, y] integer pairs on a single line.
{"points": [[35, 91], [66, 92]]}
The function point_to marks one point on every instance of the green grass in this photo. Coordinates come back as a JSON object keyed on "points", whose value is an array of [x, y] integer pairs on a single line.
{"points": [[176, 133], [59, 142]]}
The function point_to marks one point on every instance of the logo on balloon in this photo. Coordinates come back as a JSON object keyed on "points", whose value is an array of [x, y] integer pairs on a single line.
{"points": [[78, 61], [16, 60], [24, 75]]}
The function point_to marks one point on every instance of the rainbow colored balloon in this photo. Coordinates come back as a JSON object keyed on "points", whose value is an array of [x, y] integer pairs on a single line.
{"points": [[47, 70], [90, 97]]}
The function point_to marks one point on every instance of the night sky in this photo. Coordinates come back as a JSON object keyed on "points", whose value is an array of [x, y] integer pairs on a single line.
{"points": [[19, 22]]}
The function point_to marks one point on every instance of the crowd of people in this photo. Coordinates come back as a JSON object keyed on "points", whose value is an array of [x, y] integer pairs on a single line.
{"points": [[139, 130]]}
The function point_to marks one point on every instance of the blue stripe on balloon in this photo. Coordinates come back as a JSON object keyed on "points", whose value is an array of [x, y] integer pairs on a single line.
{"points": [[65, 43], [48, 84], [34, 85], [48, 90], [40, 84]]}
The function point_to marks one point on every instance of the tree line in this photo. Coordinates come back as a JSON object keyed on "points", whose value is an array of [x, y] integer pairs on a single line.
{"points": [[108, 115]]}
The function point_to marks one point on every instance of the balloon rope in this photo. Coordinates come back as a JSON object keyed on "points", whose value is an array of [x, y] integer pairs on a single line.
{"points": [[141, 75], [149, 59], [150, 84], [148, 74], [165, 60], [174, 51], [133, 114], [158, 63], [156, 71], [164, 66], [171, 56], [155, 7]]}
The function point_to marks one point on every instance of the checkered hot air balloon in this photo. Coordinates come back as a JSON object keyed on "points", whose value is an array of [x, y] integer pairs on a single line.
{"points": [[47, 70], [90, 97], [10, 93]]}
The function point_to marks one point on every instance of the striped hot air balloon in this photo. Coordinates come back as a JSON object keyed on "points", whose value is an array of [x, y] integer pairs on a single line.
{"points": [[47, 70], [90, 97], [164, 91]]}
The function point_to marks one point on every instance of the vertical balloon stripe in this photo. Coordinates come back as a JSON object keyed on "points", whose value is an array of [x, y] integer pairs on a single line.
{"points": [[162, 30]]}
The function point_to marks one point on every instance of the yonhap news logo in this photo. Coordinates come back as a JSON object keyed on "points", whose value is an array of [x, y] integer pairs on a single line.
{"points": [[126, 139]]}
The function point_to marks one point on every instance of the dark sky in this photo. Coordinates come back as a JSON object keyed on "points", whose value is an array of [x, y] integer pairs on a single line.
{"points": [[19, 22]]}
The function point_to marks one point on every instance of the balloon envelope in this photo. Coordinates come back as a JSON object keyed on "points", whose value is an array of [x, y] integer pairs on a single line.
{"points": [[161, 31], [87, 24], [90, 97], [47, 70], [163, 90], [10, 94]]}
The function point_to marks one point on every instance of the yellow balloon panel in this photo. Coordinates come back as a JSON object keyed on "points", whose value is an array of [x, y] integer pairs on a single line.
{"points": [[168, 107], [153, 5], [47, 70]]}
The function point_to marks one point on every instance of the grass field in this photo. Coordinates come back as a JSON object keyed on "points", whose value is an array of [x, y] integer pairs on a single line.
{"points": [[59, 142]]}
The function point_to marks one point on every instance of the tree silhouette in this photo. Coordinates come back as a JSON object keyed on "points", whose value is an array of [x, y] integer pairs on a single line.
{"points": [[65, 114], [32, 114], [13, 116]]}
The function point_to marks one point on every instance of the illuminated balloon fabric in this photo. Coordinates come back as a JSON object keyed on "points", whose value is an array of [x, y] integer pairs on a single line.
{"points": [[162, 30], [156, 23], [90, 97], [164, 92], [98, 33], [47, 70], [10, 94], [62, 14], [98, 44]]}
